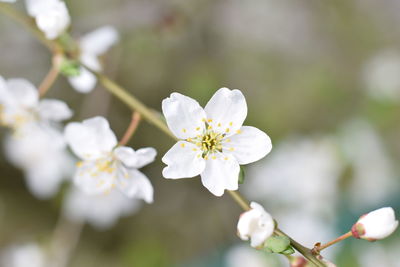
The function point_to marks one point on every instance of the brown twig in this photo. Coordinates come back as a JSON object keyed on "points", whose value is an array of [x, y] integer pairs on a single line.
{"points": [[131, 128]]}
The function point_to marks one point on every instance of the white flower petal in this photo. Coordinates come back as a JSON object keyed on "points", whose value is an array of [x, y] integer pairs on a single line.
{"points": [[34, 7], [99, 41], [54, 110], [221, 172], [227, 109], [53, 19], [90, 139], [91, 61], [135, 184], [92, 179], [84, 82], [248, 145], [136, 159], [102, 211], [184, 115], [183, 161], [23, 92]]}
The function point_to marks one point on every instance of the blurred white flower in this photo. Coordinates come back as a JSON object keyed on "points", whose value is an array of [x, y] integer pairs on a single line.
{"points": [[20, 105], [106, 165], [25, 255], [51, 16], [373, 176], [381, 75], [255, 224], [92, 45], [241, 255], [213, 141], [377, 224], [102, 211], [302, 172], [42, 155]]}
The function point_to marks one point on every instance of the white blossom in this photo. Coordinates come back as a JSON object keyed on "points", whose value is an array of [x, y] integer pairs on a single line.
{"points": [[243, 255], [92, 45], [42, 155], [20, 105], [105, 165], [51, 16], [377, 224], [256, 224], [24, 255], [213, 141], [101, 211]]}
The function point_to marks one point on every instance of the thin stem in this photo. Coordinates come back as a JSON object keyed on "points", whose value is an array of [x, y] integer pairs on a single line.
{"points": [[318, 247], [243, 203], [52, 75], [306, 252], [153, 118], [131, 128]]}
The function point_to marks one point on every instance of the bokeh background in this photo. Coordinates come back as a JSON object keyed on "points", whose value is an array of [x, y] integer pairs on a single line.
{"points": [[322, 78]]}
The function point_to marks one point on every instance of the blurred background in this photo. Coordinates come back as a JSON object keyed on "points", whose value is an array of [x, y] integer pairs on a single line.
{"points": [[322, 78]]}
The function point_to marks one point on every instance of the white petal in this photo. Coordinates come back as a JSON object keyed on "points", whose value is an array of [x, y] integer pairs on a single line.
{"points": [[34, 7], [184, 161], [53, 19], [54, 110], [227, 109], [99, 41], [24, 92], [185, 117], [248, 145], [136, 159], [91, 61], [379, 223], [221, 172], [44, 180], [91, 179], [135, 184], [90, 139], [84, 82]]}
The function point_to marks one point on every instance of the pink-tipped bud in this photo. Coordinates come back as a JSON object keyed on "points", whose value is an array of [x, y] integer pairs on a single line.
{"points": [[377, 224]]}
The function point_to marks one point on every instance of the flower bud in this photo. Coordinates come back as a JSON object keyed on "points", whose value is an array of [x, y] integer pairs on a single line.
{"points": [[375, 225], [256, 224]]}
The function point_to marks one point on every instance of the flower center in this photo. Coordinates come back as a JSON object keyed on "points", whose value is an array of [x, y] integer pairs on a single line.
{"points": [[211, 143]]}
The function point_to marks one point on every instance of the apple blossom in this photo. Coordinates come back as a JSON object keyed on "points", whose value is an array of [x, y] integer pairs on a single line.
{"points": [[20, 105], [377, 224], [51, 16], [256, 224], [105, 165], [101, 211], [92, 45], [213, 141]]}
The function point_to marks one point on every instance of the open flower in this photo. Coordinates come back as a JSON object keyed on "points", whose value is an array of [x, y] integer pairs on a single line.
{"points": [[51, 16], [105, 165], [20, 105], [256, 224], [377, 224], [92, 45], [102, 211], [213, 141]]}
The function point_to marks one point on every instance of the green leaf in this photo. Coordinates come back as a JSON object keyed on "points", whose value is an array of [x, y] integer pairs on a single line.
{"points": [[278, 244], [288, 251], [241, 175], [70, 68]]}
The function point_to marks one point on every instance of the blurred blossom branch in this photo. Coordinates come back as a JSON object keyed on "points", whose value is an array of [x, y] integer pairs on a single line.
{"points": [[70, 231], [131, 128]]}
